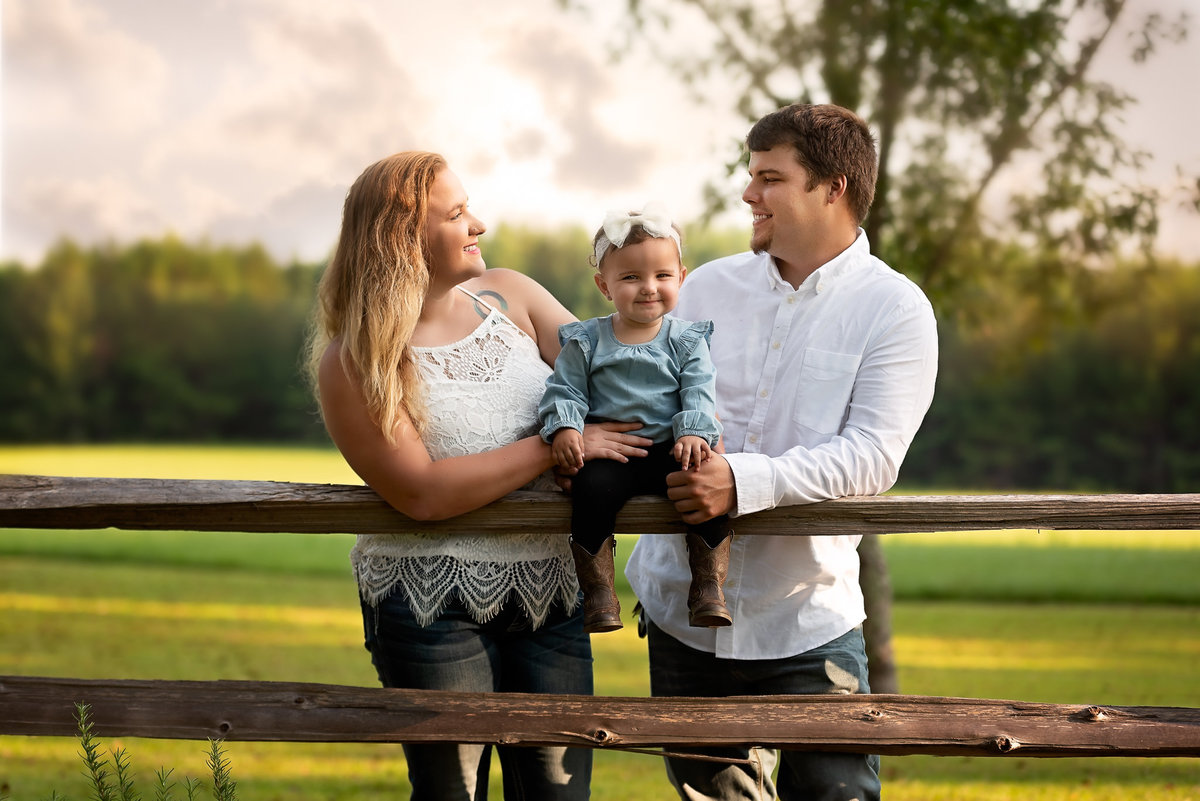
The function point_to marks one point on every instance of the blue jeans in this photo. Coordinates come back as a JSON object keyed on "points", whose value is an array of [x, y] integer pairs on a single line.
{"points": [[503, 655], [839, 666]]}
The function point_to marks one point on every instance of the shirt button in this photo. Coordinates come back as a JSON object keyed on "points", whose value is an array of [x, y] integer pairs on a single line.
{"points": [[776, 345], [791, 299], [753, 439], [763, 394]]}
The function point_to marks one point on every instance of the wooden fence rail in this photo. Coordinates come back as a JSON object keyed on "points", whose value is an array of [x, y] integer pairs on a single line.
{"points": [[876, 724], [883, 724], [271, 506]]}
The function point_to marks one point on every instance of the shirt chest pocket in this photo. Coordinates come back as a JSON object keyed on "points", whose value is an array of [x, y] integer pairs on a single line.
{"points": [[823, 392]]}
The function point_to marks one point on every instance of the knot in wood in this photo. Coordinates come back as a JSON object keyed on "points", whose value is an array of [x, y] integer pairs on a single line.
{"points": [[225, 727], [1095, 713], [603, 737], [873, 715], [1005, 744]]}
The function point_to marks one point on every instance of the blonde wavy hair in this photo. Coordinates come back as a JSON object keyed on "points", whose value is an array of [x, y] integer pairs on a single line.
{"points": [[371, 294]]}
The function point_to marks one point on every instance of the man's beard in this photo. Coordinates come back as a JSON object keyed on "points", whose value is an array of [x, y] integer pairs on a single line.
{"points": [[760, 243]]}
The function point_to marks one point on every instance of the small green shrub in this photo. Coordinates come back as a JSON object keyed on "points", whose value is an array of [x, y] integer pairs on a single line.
{"points": [[113, 780]]}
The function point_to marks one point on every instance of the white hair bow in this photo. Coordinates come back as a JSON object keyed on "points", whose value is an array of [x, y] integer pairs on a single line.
{"points": [[653, 218]]}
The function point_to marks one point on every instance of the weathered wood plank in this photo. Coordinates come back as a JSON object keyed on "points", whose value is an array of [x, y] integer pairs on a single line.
{"points": [[269, 506], [884, 724]]}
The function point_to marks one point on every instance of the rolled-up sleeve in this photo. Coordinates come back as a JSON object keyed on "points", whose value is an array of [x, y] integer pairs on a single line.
{"points": [[892, 390]]}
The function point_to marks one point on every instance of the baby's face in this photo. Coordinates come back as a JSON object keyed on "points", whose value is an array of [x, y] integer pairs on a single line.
{"points": [[642, 280]]}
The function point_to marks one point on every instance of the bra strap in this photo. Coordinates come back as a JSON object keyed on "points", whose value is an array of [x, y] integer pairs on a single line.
{"points": [[496, 309], [472, 295]]}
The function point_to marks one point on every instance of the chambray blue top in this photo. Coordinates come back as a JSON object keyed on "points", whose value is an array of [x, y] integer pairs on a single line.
{"points": [[667, 384]]}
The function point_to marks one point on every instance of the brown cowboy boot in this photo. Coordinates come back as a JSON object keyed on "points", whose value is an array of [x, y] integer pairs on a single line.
{"points": [[601, 609], [706, 596]]}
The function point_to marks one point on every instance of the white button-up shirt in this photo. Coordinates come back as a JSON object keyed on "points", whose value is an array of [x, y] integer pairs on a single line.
{"points": [[820, 390]]}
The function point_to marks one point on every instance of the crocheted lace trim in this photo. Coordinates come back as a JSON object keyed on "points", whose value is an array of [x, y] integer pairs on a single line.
{"points": [[430, 582]]}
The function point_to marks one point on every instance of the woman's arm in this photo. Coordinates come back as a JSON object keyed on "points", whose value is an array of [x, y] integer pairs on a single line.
{"points": [[402, 473]]}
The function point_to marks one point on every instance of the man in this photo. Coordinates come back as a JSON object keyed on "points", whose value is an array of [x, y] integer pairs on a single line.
{"points": [[826, 360]]}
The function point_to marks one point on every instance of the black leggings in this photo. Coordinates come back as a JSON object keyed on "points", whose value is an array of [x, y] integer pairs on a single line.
{"points": [[602, 486]]}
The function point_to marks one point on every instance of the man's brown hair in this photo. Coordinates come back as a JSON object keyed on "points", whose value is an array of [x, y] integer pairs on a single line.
{"points": [[829, 141]]}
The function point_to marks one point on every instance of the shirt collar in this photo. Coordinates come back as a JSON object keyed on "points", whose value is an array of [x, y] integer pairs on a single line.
{"points": [[821, 278]]}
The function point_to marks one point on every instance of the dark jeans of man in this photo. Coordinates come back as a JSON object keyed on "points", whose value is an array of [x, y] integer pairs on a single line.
{"points": [[839, 666]]}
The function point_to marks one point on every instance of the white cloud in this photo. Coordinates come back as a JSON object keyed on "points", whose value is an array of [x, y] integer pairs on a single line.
{"points": [[247, 119], [575, 86], [310, 96], [242, 108], [302, 222], [67, 63], [99, 208]]}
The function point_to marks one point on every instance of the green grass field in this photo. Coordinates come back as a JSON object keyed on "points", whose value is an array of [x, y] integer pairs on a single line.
{"points": [[1070, 617]]}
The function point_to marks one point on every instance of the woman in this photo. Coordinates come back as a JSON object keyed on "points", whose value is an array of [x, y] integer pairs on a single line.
{"points": [[429, 370]]}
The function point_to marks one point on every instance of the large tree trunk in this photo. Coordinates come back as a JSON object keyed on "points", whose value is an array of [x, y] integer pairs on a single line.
{"points": [[877, 593]]}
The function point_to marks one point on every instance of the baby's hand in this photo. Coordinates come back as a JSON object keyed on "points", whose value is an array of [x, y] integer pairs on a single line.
{"points": [[691, 451], [567, 448]]}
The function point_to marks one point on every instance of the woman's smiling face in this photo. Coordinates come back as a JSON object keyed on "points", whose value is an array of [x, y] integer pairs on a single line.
{"points": [[452, 231]]}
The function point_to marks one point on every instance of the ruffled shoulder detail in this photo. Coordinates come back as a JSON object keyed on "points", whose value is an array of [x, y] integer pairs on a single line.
{"points": [[686, 335], [584, 332]]}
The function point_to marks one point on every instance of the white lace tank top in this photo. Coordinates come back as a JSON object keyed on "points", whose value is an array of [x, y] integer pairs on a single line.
{"points": [[482, 392]]}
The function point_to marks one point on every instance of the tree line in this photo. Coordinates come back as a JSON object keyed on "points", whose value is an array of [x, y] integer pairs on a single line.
{"points": [[1091, 384], [156, 341]]}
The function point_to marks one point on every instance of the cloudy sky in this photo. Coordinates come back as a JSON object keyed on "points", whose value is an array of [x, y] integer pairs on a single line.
{"points": [[242, 120]]}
